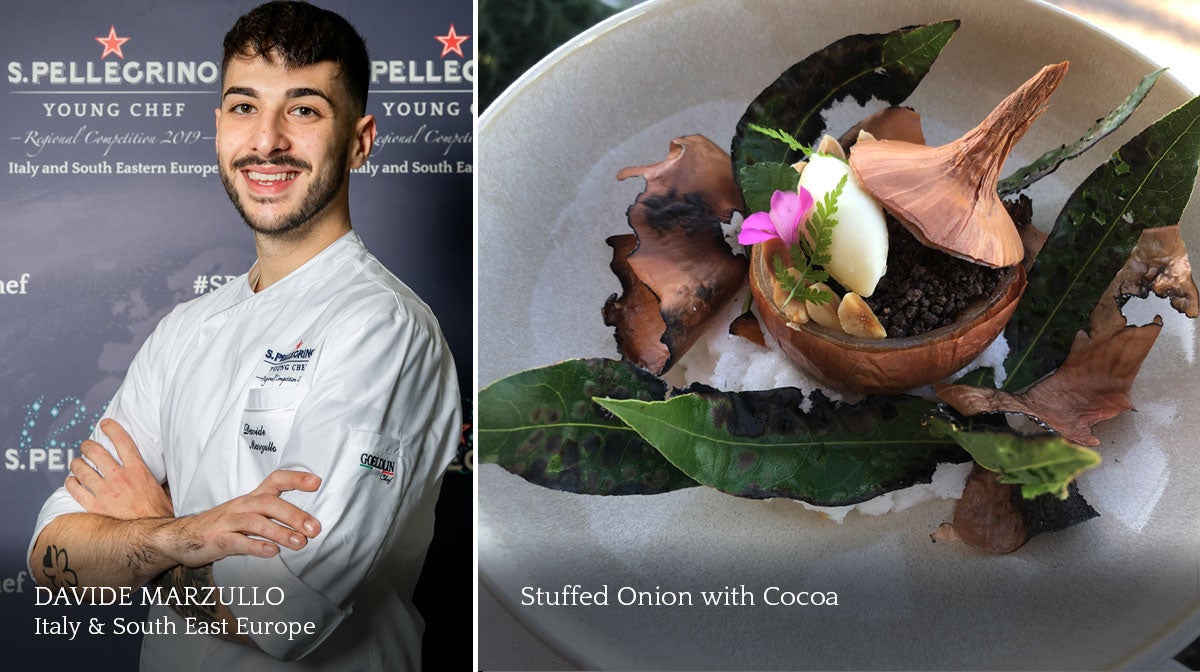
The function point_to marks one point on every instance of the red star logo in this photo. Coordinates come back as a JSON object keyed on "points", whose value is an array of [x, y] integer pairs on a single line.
{"points": [[112, 43], [452, 41]]}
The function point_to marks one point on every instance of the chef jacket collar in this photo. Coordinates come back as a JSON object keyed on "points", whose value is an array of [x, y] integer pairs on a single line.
{"points": [[303, 277]]}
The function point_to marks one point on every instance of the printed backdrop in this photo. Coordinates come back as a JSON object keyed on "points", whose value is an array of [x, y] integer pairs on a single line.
{"points": [[111, 213]]}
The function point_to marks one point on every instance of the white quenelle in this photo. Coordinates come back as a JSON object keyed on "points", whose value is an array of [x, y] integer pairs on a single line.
{"points": [[858, 253]]}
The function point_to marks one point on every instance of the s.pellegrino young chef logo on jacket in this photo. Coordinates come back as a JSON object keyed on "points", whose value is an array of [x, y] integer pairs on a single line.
{"points": [[385, 467], [284, 368]]}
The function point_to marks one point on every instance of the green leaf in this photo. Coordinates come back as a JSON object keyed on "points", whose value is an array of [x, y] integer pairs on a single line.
{"points": [[1040, 463], [542, 425], [1050, 161], [760, 181], [1146, 184], [760, 444], [884, 66]]}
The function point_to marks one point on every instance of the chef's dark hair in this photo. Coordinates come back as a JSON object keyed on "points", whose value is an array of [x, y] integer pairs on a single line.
{"points": [[300, 34]]}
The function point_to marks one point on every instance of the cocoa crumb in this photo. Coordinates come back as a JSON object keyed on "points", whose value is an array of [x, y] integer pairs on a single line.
{"points": [[926, 289]]}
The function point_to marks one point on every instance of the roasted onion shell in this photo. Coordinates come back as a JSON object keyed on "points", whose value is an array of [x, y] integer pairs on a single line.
{"points": [[892, 364]]}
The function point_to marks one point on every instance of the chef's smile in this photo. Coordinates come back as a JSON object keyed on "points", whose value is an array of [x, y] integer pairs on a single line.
{"points": [[269, 181]]}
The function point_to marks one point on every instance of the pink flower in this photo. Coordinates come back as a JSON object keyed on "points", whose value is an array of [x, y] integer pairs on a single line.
{"points": [[788, 210]]}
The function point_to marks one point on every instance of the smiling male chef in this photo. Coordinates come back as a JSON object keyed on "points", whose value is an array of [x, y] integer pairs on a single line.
{"points": [[300, 418]]}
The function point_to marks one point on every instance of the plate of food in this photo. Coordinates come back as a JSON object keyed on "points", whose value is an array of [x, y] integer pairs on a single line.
{"points": [[660, 491]]}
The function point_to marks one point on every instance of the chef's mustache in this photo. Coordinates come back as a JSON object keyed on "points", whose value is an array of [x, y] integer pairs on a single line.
{"points": [[282, 160]]}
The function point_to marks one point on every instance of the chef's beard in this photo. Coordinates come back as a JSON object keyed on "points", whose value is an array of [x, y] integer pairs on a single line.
{"points": [[320, 194]]}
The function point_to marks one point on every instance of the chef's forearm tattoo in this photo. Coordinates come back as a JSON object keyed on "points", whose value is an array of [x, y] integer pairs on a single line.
{"points": [[56, 568], [179, 579], [184, 581]]}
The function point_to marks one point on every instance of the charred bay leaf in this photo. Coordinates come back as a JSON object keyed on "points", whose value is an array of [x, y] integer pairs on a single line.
{"points": [[1145, 184], [542, 425], [760, 444], [1051, 160], [993, 516], [886, 66], [679, 270], [1093, 383], [982, 377], [1040, 463]]}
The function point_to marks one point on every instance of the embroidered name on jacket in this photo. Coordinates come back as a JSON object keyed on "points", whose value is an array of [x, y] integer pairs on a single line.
{"points": [[385, 467], [284, 368]]}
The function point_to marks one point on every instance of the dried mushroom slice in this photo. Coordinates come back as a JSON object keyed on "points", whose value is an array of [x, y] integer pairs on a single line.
{"points": [[635, 313], [680, 271], [993, 516]]}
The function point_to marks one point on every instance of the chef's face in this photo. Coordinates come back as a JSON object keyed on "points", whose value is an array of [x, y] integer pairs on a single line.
{"points": [[286, 137]]}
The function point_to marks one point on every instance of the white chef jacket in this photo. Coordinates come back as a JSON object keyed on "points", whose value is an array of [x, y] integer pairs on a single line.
{"points": [[337, 369]]}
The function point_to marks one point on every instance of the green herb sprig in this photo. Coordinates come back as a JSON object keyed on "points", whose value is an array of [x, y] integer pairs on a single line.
{"points": [[782, 136], [810, 258]]}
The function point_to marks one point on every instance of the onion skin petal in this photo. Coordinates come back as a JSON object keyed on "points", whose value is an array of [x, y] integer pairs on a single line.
{"points": [[890, 123], [746, 325], [1094, 381], [946, 196]]}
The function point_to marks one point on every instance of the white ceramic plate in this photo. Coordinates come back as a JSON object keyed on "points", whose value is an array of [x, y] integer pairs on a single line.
{"points": [[1119, 591]]}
